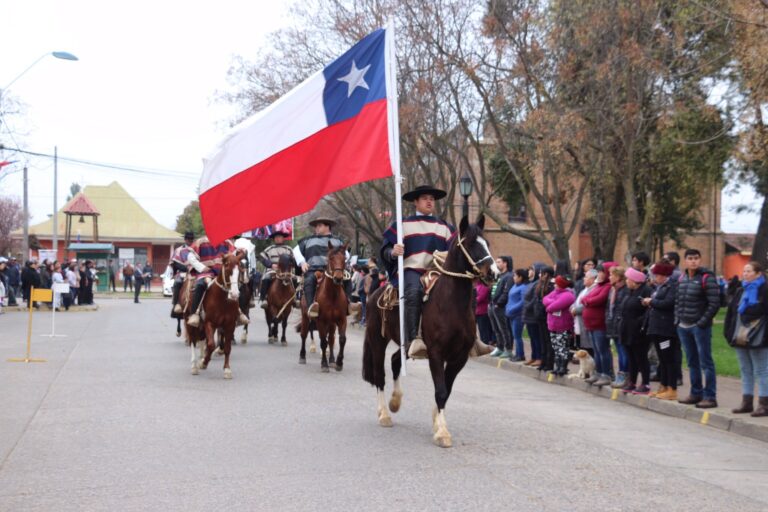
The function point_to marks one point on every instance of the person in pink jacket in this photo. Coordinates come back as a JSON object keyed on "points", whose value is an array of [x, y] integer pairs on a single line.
{"points": [[560, 321], [593, 314]]}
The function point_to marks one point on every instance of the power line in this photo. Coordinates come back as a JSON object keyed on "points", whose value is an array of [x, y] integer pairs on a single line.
{"points": [[138, 170]]}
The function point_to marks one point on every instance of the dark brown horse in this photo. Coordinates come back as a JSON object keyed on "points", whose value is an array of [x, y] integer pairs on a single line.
{"points": [[246, 296], [220, 312], [333, 311], [280, 298], [447, 325]]}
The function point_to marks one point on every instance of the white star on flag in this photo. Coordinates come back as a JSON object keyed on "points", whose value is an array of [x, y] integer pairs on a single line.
{"points": [[355, 78]]}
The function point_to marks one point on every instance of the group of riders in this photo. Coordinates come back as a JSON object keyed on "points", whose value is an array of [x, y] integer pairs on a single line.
{"points": [[423, 234]]}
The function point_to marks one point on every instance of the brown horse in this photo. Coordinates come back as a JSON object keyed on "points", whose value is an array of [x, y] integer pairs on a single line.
{"points": [[220, 313], [447, 324], [280, 298], [333, 311]]}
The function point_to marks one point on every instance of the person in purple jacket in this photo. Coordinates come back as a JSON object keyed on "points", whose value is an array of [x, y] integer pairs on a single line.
{"points": [[560, 321]]}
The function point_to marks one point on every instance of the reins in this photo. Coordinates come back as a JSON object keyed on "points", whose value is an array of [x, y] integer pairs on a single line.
{"points": [[439, 260]]}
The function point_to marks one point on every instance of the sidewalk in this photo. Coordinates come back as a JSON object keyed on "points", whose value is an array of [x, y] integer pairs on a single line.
{"points": [[728, 397]]}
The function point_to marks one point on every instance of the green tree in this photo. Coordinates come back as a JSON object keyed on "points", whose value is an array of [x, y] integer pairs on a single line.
{"points": [[74, 188], [191, 220]]}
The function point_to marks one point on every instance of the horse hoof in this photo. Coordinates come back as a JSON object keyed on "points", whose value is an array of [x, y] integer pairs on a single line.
{"points": [[195, 371], [218, 352], [338, 367], [244, 341], [302, 360], [394, 404], [325, 369], [271, 341], [385, 421], [227, 374], [443, 441], [312, 349], [178, 335], [284, 343]]}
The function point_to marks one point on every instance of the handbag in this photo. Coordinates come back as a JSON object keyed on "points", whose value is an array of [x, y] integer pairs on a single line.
{"points": [[751, 334]]}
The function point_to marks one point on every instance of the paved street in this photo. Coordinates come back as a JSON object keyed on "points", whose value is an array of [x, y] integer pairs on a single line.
{"points": [[115, 421]]}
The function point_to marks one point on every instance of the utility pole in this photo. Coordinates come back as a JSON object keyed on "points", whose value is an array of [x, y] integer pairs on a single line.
{"points": [[55, 202], [25, 235]]}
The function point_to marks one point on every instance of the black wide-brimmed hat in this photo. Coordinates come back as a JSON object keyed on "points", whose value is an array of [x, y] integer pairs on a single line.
{"points": [[424, 189], [279, 232], [322, 220], [189, 234]]}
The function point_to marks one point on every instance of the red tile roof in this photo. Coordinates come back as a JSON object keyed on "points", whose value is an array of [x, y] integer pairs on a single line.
{"points": [[80, 205]]}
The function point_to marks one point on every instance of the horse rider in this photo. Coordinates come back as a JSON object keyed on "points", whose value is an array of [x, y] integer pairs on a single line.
{"points": [[311, 254], [180, 267], [269, 257], [423, 234], [205, 259]]}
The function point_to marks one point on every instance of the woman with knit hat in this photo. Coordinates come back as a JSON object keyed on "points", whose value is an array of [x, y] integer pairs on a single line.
{"points": [[632, 331], [661, 327], [560, 322], [595, 303]]}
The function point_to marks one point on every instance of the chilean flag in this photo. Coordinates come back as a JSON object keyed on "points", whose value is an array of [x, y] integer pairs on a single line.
{"points": [[328, 133]]}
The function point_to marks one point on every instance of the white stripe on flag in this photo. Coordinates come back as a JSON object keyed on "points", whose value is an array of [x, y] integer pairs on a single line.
{"points": [[291, 119]]}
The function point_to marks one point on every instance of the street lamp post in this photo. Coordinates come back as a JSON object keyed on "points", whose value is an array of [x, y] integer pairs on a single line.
{"points": [[465, 189], [25, 240]]}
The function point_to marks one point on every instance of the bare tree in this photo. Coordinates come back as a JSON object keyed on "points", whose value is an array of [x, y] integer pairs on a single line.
{"points": [[11, 218]]}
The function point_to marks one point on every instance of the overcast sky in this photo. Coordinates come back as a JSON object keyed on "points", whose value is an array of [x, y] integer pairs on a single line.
{"points": [[141, 95]]}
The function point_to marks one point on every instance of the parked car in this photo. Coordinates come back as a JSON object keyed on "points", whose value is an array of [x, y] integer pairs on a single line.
{"points": [[167, 281]]}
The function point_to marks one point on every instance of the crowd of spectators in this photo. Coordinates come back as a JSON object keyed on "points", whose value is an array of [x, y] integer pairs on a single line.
{"points": [[635, 321]]}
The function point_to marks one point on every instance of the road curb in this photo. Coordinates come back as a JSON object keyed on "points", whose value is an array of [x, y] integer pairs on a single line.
{"points": [[25, 309], [718, 418]]}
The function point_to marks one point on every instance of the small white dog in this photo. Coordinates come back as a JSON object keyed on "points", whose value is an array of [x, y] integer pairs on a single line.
{"points": [[586, 365]]}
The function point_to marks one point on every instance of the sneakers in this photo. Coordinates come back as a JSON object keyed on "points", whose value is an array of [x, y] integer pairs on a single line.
{"points": [[496, 352], [314, 310], [621, 379], [505, 355], [641, 390], [417, 349], [591, 380], [194, 320], [602, 381]]}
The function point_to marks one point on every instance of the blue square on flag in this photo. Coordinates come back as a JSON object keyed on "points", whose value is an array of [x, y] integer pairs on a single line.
{"points": [[355, 79]]}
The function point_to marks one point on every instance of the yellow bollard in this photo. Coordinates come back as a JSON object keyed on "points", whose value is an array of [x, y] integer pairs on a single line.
{"points": [[34, 296]]}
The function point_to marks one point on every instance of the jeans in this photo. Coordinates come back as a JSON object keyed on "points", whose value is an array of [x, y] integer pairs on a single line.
{"points": [[533, 333], [363, 302], [621, 350], [516, 326], [603, 354], [754, 367], [697, 343]]}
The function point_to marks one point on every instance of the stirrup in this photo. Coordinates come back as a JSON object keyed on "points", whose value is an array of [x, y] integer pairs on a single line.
{"points": [[194, 320], [314, 310], [479, 349], [242, 319], [177, 309], [417, 349]]}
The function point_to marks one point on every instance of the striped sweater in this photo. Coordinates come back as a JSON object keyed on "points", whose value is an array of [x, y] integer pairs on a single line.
{"points": [[422, 235]]}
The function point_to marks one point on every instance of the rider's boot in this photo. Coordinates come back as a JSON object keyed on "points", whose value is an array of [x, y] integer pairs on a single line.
{"points": [[416, 348], [176, 305], [314, 310], [479, 349], [194, 318], [242, 319], [263, 292]]}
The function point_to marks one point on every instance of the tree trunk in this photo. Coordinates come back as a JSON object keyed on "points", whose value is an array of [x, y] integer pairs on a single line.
{"points": [[760, 248]]}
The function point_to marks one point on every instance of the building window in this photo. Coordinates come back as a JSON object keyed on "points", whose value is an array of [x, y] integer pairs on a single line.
{"points": [[516, 216]]}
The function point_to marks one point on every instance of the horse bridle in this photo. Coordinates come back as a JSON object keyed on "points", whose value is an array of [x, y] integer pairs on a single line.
{"points": [[475, 274]]}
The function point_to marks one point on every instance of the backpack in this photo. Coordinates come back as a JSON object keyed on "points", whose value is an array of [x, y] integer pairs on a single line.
{"points": [[721, 289]]}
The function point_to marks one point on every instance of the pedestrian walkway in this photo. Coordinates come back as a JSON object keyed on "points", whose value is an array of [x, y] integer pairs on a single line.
{"points": [[728, 397]]}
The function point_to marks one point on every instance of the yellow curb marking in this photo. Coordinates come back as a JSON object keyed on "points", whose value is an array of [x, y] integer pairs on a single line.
{"points": [[614, 394], [551, 377], [499, 363], [705, 418]]}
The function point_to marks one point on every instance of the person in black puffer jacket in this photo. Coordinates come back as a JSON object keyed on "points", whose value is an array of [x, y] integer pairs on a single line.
{"points": [[632, 332], [542, 288], [616, 298], [661, 328], [696, 304], [496, 310], [529, 317]]}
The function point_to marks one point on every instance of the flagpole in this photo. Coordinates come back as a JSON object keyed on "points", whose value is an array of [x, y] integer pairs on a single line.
{"points": [[394, 156]]}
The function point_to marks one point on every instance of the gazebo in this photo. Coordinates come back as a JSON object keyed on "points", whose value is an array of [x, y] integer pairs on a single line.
{"points": [[82, 206]]}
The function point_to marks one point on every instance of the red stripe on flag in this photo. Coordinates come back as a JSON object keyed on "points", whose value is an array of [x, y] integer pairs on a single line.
{"points": [[292, 181]]}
